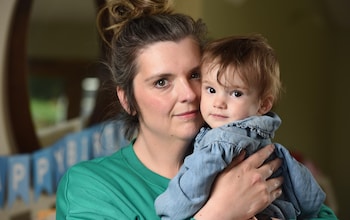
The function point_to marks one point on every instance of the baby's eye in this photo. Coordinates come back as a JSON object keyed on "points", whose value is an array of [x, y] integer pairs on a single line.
{"points": [[210, 90], [236, 93], [161, 83]]}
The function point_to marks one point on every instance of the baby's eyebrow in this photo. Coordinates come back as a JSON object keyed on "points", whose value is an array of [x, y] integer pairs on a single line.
{"points": [[238, 87]]}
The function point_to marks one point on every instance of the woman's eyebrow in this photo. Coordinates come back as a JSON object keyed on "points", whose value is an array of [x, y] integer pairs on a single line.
{"points": [[158, 76], [195, 69]]}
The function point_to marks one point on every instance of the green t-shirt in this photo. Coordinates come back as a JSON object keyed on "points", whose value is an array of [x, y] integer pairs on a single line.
{"points": [[112, 187], [115, 187]]}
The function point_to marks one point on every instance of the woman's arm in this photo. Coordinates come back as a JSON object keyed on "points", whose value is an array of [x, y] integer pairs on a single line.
{"points": [[242, 189]]}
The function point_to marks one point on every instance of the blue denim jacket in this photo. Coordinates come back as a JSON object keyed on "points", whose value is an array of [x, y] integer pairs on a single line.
{"points": [[213, 151]]}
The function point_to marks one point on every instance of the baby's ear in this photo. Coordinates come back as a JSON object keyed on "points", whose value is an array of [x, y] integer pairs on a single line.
{"points": [[123, 100], [266, 105]]}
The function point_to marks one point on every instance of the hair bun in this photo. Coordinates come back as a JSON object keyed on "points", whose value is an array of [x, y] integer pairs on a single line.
{"points": [[119, 12]]}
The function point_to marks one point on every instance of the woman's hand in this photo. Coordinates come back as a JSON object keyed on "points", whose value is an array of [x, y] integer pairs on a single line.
{"points": [[242, 189]]}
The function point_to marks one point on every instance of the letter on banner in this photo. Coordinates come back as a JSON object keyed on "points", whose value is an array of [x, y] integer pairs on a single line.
{"points": [[97, 147], [43, 172], [18, 180], [108, 141], [58, 151], [119, 138], [71, 149], [84, 148], [3, 172], [113, 138]]}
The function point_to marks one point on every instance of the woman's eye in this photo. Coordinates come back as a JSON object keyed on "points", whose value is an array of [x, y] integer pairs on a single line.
{"points": [[195, 75], [161, 83], [210, 90], [236, 93]]}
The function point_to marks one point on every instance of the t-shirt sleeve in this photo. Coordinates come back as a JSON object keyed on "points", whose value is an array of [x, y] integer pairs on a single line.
{"points": [[325, 213], [80, 195]]}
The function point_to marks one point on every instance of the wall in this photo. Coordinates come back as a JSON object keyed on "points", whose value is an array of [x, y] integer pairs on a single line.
{"points": [[63, 29], [313, 53], [337, 149]]}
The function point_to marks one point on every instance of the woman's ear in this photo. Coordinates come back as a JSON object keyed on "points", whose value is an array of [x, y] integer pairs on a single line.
{"points": [[122, 99], [266, 105]]}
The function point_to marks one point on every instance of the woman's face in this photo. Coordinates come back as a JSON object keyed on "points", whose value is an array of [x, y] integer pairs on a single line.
{"points": [[167, 89]]}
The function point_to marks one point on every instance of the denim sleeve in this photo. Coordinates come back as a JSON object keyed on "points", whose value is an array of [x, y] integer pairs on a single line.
{"points": [[189, 189], [299, 186]]}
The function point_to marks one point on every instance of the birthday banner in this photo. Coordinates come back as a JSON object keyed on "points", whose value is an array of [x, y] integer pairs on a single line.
{"points": [[43, 169]]}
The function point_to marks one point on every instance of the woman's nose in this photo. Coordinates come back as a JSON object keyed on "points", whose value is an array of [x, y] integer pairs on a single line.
{"points": [[188, 92]]}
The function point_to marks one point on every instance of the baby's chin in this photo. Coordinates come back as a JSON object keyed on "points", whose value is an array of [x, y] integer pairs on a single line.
{"points": [[217, 124], [215, 121]]}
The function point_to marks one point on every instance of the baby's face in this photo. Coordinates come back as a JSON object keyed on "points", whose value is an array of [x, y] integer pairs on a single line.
{"points": [[228, 101]]}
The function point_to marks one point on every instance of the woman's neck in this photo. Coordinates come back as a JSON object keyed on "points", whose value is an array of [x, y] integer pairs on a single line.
{"points": [[161, 155]]}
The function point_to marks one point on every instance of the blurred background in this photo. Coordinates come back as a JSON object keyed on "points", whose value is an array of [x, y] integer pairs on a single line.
{"points": [[51, 82]]}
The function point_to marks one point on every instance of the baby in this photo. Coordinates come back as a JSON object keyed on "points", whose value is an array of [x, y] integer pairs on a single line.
{"points": [[240, 85]]}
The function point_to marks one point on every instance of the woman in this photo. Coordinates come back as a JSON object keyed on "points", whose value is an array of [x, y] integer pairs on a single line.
{"points": [[154, 59]]}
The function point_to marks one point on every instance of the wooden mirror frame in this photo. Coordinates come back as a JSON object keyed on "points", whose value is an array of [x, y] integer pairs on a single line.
{"points": [[20, 118], [17, 89]]}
